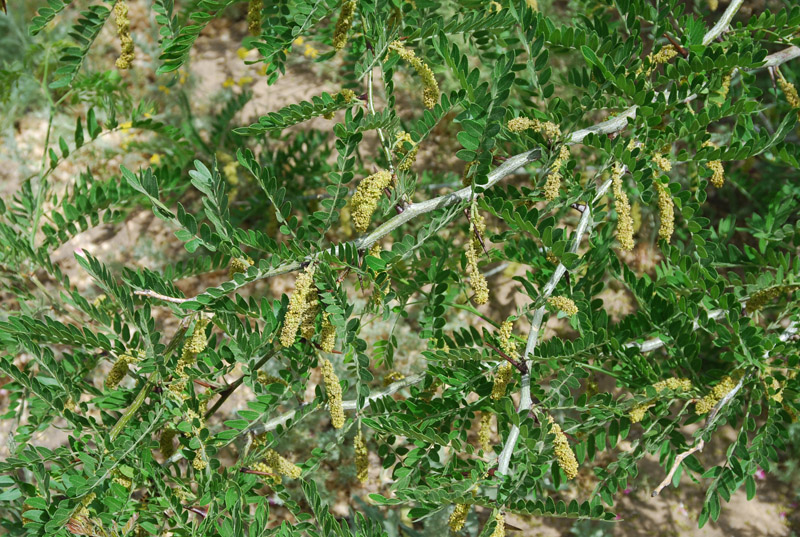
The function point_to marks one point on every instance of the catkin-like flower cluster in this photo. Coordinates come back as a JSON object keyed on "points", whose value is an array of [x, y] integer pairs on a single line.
{"points": [[548, 129], [307, 325], [343, 24], [282, 465], [362, 458], [392, 376], [477, 280], [120, 369], [239, 264], [500, 525], [334, 391], [762, 297], [726, 86], [430, 92], [507, 343], [501, 380], [485, 431], [166, 443], [458, 516], [666, 212], [662, 56], [124, 33], [563, 304], [265, 379], [327, 337], [409, 156], [624, 219], [715, 395], [662, 162], [254, 16], [564, 455], [194, 345], [790, 92], [304, 290], [718, 176], [637, 413], [553, 183], [365, 200]]}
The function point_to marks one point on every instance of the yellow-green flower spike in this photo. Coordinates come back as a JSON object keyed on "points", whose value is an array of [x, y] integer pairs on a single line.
{"points": [[666, 212], [563, 304], [507, 343], [637, 413], [283, 466], [334, 391], [718, 172], [365, 200], [790, 92], [624, 219], [308, 323], [458, 516], [548, 129], [327, 337], [362, 458], [117, 373], [564, 454], [343, 24], [239, 264], [485, 432], [254, 16], [430, 92], [553, 183], [715, 395], [500, 525], [298, 304], [476, 278], [126, 54], [501, 380]]}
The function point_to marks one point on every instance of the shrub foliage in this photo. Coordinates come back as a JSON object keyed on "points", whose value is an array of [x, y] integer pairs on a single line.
{"points": [[475, 143]]}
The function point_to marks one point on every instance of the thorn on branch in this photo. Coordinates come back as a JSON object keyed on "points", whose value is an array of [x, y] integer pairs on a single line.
{"points": [[521, 366], [683, 52], [580, 207]]}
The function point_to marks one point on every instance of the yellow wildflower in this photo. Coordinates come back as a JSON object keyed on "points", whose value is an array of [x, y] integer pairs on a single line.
{"points": [[298, 41], [298, 304], [242, 53], [126, 55], [334, 391], [458, 516], [707, 403], [365, 200], [501, 380], [624, 220], [666, 212], [430, 93], [310, 52], [343, 24], [228, 83], [163, 89], [245, 80], [362, 458], [563, 304], [254, 16], [155, 159]]}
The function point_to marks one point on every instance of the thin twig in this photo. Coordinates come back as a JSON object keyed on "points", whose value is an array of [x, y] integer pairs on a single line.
{"points": [[227, 392], [523, 368], [159, 296]]}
